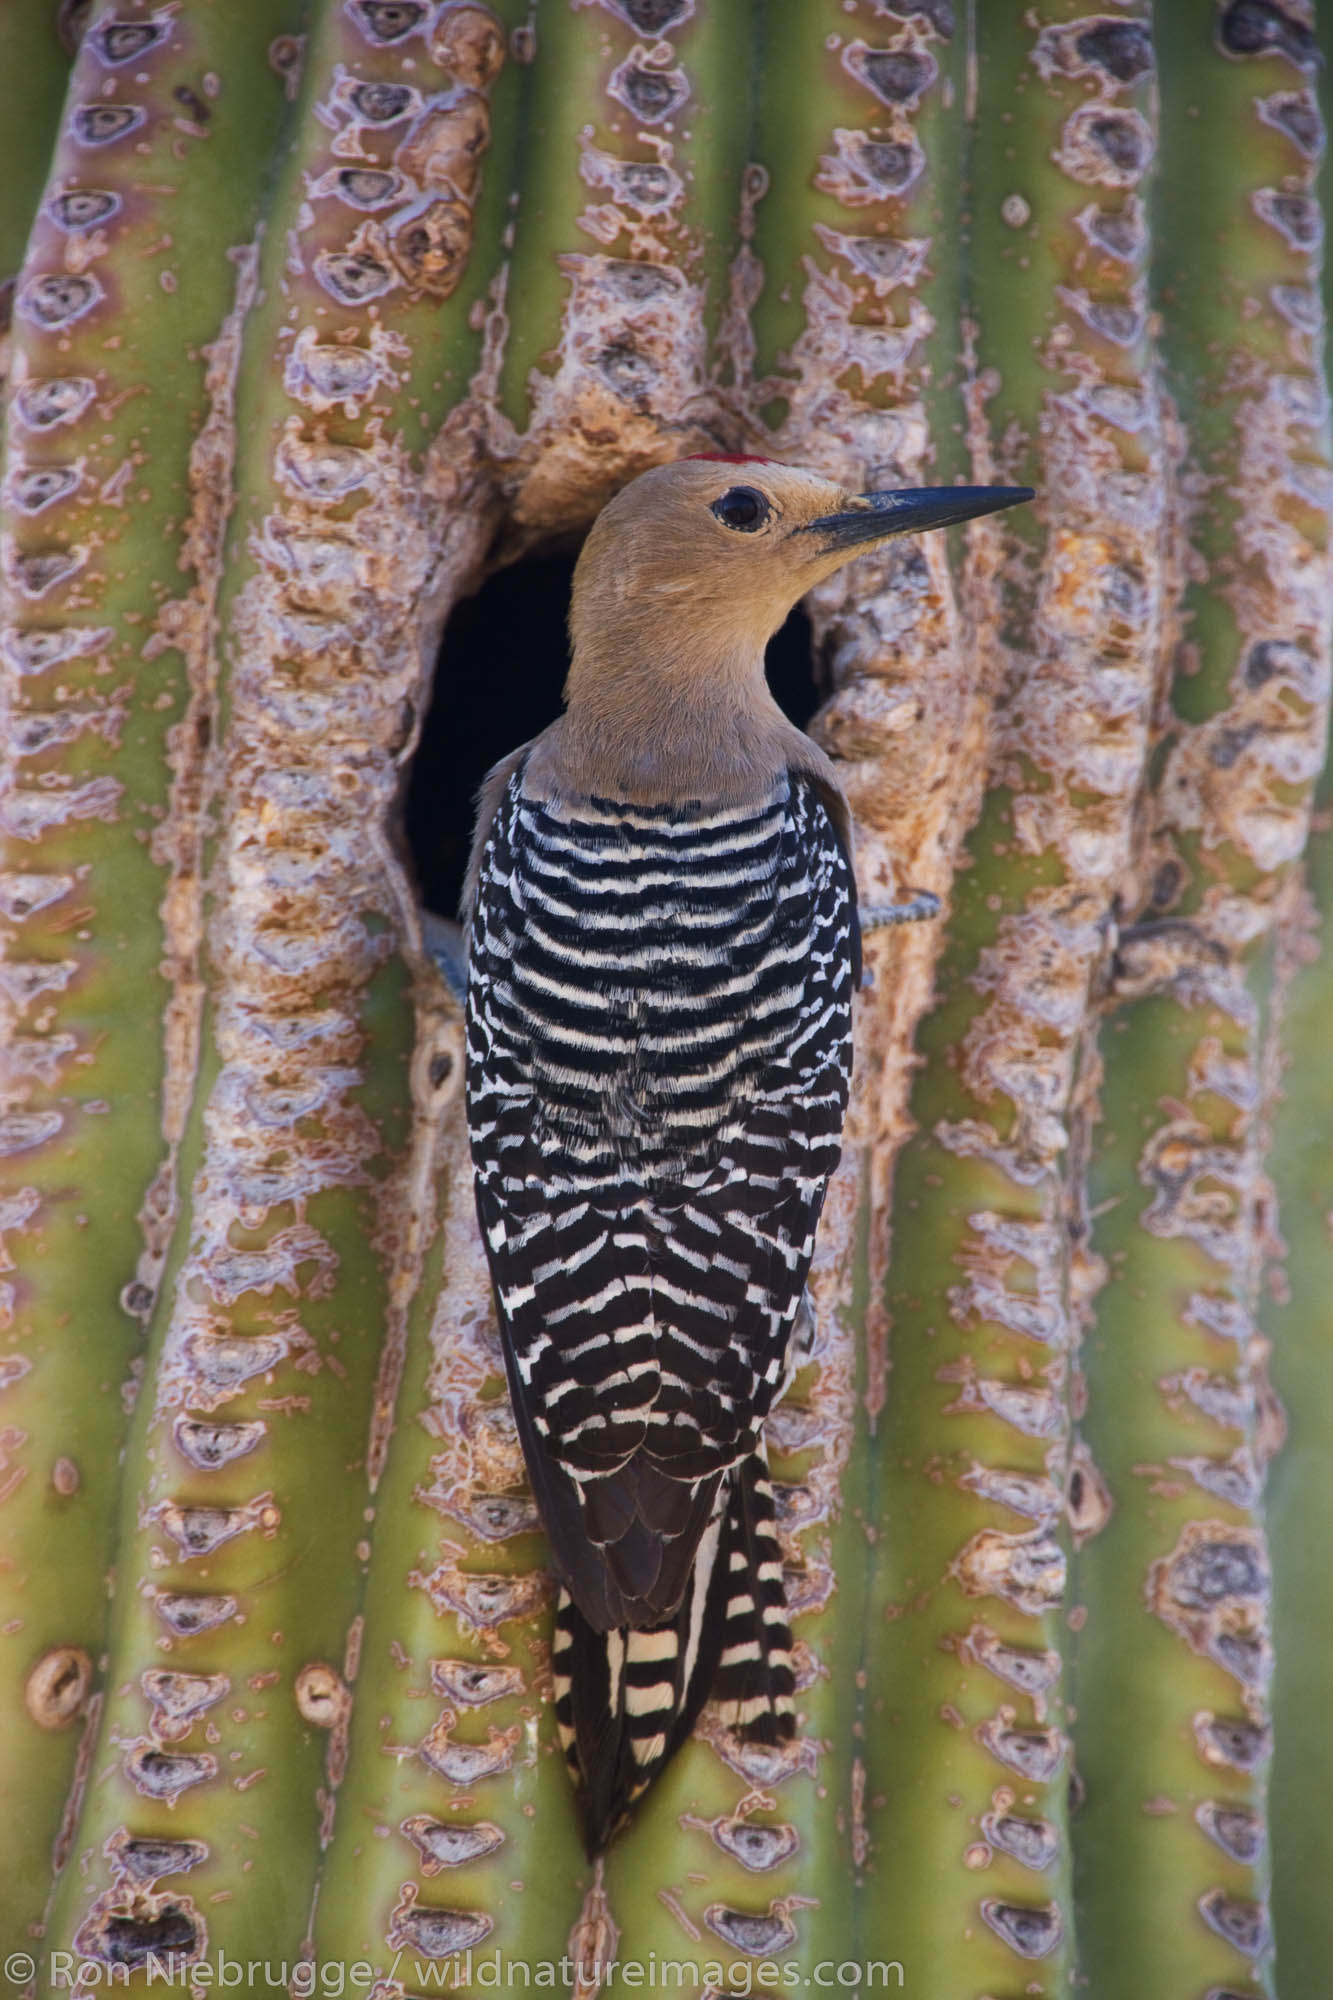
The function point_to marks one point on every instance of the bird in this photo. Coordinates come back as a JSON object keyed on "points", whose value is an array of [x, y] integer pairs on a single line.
{"points": [[662, 951]]}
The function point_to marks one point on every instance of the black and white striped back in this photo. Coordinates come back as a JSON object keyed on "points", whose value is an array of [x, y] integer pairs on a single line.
{"points": [[659, 1031]]}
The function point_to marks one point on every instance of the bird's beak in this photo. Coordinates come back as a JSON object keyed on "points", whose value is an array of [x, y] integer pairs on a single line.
{"points": [[911, 512]]}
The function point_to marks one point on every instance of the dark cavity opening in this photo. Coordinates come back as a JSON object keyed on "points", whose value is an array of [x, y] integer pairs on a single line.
{"points": [[498, 681]]}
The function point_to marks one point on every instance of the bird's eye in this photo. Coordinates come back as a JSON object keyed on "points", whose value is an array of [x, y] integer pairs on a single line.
{"points": [[742, 508]]}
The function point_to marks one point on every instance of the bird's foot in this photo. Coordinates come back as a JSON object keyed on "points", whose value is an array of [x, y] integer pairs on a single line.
{"points": [[447, 948], [916, 910]]}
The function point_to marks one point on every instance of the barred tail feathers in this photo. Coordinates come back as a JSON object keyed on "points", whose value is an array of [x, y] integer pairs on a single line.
{"points": [[755, 1682], [627, 1699]]}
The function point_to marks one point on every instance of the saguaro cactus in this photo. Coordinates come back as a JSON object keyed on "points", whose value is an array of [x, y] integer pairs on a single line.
{"points": [[325, 315]]}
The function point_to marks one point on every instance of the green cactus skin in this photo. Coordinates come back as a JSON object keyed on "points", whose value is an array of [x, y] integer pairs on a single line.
{"points": [[236, 1623], [456, 1826], [114, 501], [1175, 1597], [1294, 1311], [1300, 1487], [981, 1294], [633, 149], [35, 63]]}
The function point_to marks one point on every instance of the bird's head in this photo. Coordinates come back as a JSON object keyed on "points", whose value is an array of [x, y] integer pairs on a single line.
{"points": [[683, 578], [719, 548]]}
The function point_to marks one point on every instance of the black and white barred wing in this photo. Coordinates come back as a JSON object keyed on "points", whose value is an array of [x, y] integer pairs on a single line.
{"points": [[658, 1054]]}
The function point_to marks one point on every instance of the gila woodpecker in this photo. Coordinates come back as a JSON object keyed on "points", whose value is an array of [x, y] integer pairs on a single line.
{"points": [[663, 948]]}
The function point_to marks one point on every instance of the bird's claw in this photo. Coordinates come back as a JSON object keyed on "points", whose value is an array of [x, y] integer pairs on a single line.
{"points": [[917, 909]]}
